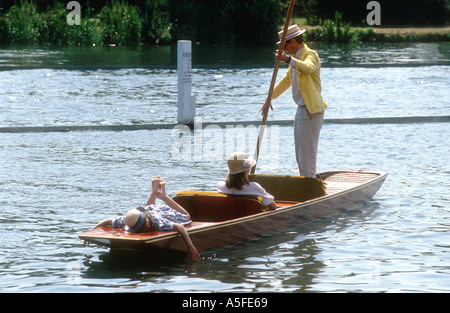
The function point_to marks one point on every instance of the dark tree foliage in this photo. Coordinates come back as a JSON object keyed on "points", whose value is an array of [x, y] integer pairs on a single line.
{"points": [[234, 22], [221, 22], [393, 12], [228, 22]]}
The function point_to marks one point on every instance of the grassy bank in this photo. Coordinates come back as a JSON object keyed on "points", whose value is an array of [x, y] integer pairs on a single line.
{"points": [[369, 34], [337, 31]]}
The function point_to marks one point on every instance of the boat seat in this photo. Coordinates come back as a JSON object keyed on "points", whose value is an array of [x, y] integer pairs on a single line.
{"points": [[210, 206], [290, 188]]}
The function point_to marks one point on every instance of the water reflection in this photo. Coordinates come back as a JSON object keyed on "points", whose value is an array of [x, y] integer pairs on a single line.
{"points": [[217, 56], [282, 262]]}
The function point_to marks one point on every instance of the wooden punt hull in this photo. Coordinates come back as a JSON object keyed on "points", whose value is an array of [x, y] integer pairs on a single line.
{"points": [[345, 190]]}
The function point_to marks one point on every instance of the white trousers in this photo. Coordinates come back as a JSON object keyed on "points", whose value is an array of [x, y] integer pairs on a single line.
{"points": [[306, 136]]}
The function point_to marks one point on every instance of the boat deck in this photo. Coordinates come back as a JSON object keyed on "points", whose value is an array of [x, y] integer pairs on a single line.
{"points": [[338, 181]]}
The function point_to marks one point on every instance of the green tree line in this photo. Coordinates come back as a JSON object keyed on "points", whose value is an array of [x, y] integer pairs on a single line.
{"points": [[223, 22], [103, 22]]}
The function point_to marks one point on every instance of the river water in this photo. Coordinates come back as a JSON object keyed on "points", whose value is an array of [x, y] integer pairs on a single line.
{"points": [[55, 185]]}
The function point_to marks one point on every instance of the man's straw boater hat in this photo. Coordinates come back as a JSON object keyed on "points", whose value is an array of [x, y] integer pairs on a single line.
{"points": [[293, 31]]}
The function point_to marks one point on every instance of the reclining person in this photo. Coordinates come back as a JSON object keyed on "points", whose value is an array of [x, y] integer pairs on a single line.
{"points": [[163, 217]]}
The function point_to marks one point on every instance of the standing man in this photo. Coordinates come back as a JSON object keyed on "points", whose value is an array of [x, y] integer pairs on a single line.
{"points": [[303, 75]]}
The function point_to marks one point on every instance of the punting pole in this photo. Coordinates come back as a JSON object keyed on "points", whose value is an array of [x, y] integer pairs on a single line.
{"points": [[272, 84]]}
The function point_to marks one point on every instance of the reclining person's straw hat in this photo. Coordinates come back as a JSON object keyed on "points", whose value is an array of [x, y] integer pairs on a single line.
{"points": [[293, 31], [134, 219], [238, 162]]}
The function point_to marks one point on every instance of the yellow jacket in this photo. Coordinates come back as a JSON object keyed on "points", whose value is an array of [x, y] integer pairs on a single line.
{"points": [[308, 71]]}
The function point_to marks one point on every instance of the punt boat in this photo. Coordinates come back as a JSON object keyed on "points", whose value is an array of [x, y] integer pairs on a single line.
{"points": [[221, 220]]}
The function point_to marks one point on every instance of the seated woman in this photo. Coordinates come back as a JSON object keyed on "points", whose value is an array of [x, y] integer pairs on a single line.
{"points": [[237, 182], [164, 217]]}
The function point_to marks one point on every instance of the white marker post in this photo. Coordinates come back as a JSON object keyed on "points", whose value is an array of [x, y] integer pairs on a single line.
{"points": [[186, 101]]}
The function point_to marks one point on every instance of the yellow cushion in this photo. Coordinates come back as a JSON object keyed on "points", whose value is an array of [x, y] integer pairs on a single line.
{"points": [[290, 188], [210, 206]]}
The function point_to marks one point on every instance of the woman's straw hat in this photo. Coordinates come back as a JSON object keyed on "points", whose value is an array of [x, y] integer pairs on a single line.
{"points": [[238, 162], [134, 219], [293, 31]]}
